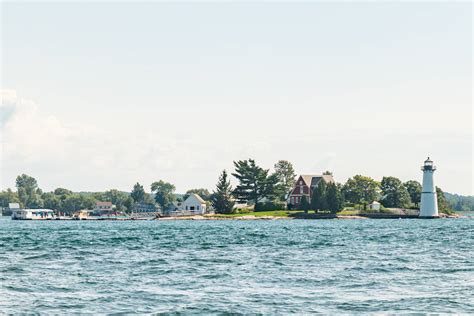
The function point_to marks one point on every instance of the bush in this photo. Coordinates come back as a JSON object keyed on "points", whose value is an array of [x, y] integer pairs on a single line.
{"points": [[269, 206]]}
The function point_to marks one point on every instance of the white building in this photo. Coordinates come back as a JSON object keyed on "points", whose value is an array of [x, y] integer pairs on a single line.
{"points": [[195, 204], [429, 199], [374, 206]]}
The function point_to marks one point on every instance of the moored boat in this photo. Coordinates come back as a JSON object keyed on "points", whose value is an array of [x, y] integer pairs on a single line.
{"points": [[32, 214]]}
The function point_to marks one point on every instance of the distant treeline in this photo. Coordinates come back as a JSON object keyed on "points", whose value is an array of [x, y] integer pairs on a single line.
{"points": [[263, 188], [460, 203]]}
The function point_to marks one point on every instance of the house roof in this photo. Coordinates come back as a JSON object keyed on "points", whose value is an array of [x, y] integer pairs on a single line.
{"points": [[313, 179], [200, 200]]}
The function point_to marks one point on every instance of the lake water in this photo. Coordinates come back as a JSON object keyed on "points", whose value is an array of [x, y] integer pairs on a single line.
{"points": [[283, 266]]}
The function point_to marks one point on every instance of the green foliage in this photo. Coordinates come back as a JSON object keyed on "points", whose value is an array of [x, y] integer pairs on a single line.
{"points": [[28, 192], [269, 206], [118, 198], [460, 203], [51, 201], [221, 198], [361, 189], [285, 174], [414, 190], [318, 198], [7, 197], [62, 191], [164, 193], [253, 185], [138, 193], [443, 206], [304, 204], [75, 202], [334, 197], [394, 193]]}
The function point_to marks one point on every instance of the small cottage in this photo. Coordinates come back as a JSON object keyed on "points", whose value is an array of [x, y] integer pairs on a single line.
{"points": [[195, 204], [374, 206]]}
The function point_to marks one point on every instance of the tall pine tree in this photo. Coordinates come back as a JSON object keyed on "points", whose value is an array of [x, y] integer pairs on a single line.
{"points": [[253, 183], [334, 197], [221, 199], [318, 199]]}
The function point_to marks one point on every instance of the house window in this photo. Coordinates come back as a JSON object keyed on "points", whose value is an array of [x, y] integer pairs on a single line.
{"points": [[198, 207], [301, 189]]}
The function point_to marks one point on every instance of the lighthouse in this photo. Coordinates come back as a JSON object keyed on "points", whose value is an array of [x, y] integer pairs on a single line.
{"points": [[429, 200]]}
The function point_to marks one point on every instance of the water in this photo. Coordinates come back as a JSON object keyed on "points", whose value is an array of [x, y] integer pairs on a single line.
{"points": [[287, 266]]}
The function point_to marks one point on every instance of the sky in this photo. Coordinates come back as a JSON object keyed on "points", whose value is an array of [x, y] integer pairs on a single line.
{"points": [[101, 95]]}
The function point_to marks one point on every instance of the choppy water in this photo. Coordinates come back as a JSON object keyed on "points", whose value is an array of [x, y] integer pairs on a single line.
{"points": [[299, 266]]}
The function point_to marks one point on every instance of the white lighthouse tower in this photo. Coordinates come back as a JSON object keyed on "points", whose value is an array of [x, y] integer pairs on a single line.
{"points": [[429, 200]]}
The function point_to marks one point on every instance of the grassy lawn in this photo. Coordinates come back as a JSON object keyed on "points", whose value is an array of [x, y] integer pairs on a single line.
{"points": [[349, 212], [281, 213]]}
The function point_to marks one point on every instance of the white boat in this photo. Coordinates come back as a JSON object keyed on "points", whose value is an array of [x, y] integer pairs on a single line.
{"points": [[32, 214]]}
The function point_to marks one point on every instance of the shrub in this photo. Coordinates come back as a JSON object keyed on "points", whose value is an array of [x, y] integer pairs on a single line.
{"points": [[269, 206]]}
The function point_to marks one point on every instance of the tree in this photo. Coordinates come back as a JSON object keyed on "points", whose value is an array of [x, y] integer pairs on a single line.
{"points": [[75, 202], [164, 193], [221, 198], [318, 198], [28, 191], [304, 204], [394, 193], [138, 193], [117, 198], [443, 206], [203, 193], [329, 173], [414, 190], [51, 201], [361, 189], [7, 197], [286, 177], [62, 191], [253, 184], [334, 197], [128, 203]]}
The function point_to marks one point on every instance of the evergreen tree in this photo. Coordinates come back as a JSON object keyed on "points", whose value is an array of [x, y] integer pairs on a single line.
{"points": [[304, 204], [253, 184], [319, 199], [334, 198], [286, 178], [138, 193], [221, 199]]}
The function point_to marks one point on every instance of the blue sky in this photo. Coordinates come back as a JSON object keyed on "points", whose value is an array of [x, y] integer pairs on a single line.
{"points": [[102, 95]]}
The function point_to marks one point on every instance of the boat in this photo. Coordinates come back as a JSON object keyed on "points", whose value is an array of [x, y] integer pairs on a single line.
{"points": [[32, 214]]}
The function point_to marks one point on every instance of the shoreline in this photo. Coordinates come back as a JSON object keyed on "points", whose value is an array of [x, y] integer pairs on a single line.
{"points": [[220, 217]]}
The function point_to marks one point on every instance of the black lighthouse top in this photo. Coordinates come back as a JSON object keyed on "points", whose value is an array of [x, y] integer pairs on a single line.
{"points": [[428, 165]]}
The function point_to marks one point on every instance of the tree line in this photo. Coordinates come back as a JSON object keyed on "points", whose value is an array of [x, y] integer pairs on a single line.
{"points": [[265, 189]]}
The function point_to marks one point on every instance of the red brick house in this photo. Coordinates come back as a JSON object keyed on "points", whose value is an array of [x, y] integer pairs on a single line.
{"points": [[305, 185]]}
